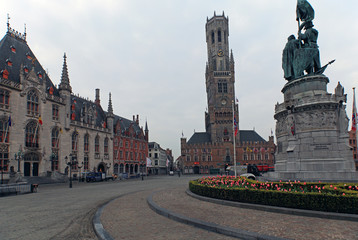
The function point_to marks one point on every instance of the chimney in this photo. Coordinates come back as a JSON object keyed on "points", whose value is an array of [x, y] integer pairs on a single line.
{"points": [[97, 101], [133, 118], [137, 121]]}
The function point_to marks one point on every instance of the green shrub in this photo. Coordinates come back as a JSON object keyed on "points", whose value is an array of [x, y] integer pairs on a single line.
{"points": [[339, 197]]}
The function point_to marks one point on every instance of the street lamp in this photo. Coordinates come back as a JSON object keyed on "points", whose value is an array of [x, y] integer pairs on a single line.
{"points": [[70, 164]]}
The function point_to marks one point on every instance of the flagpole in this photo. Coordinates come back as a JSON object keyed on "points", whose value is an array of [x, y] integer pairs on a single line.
{"points": [[233, 135], [37, 126]]}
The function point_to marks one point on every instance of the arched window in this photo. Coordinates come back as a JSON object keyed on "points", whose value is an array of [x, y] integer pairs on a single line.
{"points": [[106, 145], [32, 134], [74, 141], [212, 37], [55, 138], [32, 103], [96, 144], [86, 143], [219, 35]]}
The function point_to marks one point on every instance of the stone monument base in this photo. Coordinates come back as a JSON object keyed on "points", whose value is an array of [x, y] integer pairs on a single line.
{"points": [[312, 136]]}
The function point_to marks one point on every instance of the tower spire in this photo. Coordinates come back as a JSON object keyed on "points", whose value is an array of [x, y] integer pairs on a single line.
{"points": [[65, 81], [110, 108]]}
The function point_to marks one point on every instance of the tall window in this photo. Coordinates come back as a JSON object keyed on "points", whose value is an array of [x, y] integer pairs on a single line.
{"points": [[32, 135], [96, 144], [55, 112], [55, 138], [86, 143], [74, 141], [4, 130], [106, 145], [32, 103], [212, 37], [225, 87], [4, 160], [219, 36], [4, 98], [220, 87], [86, 162]]}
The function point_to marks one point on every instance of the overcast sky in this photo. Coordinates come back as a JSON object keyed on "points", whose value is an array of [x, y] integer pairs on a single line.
{"points": [[151, 55]]}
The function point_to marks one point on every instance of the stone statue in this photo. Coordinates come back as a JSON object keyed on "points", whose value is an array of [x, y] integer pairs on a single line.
{"points": [[302, 55]]}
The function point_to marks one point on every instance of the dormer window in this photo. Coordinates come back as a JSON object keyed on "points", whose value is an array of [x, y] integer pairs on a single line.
{"points": [[26, 69], [13, 49], [5, 74], [28, 56], [39, 74], [9, 62]]}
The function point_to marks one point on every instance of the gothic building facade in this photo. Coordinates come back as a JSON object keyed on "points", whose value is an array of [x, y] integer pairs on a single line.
{"points": [[213, 150], [45, 129]]}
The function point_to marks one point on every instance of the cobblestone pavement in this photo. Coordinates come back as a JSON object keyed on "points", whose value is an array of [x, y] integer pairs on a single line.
{"points": [[266, 223], [58, 212], [129, 217]]}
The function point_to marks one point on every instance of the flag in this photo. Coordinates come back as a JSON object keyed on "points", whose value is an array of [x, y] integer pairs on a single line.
{"points": [[354, 113], [167, 162], [235, 126], [9, 121], [248, 149], [61, 130], [40, 120], [304, 11]]}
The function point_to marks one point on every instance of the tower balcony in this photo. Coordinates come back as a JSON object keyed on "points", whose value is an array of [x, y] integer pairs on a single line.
{"points": [[222, 73]]}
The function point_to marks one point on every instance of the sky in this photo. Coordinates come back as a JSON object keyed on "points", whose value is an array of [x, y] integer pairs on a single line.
{"points": [[151, 55]]}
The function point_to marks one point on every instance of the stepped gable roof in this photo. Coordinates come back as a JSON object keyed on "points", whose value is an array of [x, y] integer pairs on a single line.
{"points": [[200, 137], [81, 105], [250, 136], [126, 123], [21, 56]]}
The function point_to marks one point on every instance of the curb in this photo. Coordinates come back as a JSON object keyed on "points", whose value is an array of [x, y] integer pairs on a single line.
{"points": [[101, 233], [291, 211], [229, 231]]}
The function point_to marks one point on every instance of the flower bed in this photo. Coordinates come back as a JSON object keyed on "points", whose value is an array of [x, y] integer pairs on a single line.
{"points": [[329, 197]]}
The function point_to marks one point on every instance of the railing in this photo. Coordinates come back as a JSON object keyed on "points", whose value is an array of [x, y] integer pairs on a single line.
{"points": [[222, 73], [15, 188]]}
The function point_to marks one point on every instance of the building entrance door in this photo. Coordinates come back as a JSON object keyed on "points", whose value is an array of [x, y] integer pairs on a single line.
{"points": [[35, 169], [27, 167], [196, 170]]}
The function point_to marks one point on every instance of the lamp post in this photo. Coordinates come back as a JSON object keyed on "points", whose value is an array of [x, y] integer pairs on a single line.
{"points": [[70, 164]]}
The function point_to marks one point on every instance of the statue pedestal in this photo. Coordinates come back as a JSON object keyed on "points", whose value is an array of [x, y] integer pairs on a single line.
{"points": [[311, 131]]}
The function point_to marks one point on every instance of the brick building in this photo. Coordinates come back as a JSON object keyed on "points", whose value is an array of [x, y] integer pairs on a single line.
{"points": [[43, 127], [130, 146], [213, 150]]}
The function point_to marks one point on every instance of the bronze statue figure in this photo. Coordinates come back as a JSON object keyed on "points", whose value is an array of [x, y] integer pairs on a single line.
{"points": [[302, 55]]}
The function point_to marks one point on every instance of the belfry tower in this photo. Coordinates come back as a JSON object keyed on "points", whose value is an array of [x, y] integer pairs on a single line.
{"points": [[220, 81]]}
